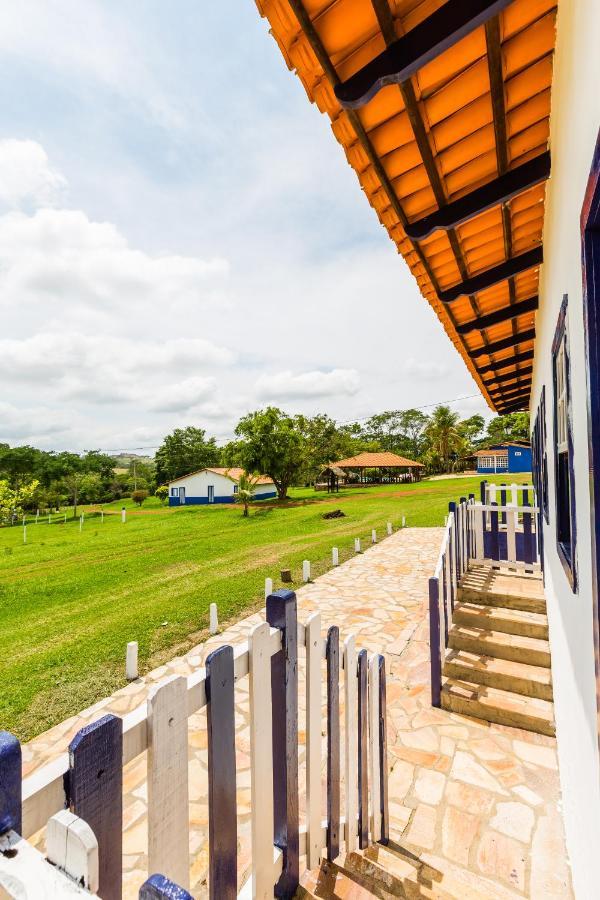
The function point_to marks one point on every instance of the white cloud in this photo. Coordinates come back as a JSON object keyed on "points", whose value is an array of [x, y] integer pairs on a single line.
{"points": [[61, 255], [30, 424], [286, 385], [26, 174], [183, 395], [426, 369]]}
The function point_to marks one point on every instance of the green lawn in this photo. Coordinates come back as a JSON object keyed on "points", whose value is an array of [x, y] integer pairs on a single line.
{"points": [[70, 600]]}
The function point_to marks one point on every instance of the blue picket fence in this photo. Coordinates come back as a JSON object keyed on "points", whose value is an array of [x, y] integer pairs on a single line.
{"points": [[88, 781]]}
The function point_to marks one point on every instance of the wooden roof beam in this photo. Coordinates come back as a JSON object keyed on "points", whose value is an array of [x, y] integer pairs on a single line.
{"points": [[509, 376], [404, 57], [507, 363], [500, 315], [521, 406], [493, 276], [504, 344], [509, 396], [500, 190]]}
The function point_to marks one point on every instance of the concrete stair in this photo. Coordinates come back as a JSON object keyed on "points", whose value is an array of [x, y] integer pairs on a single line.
{"points": [[497, 667]]}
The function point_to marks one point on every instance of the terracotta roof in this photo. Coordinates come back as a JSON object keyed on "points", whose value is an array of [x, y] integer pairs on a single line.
{"points": [[500, 449], [469, 114], [233, 473], [375, 460]]}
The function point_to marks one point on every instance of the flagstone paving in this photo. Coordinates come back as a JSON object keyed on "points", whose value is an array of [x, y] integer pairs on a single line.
{"points": [[474, 808]]}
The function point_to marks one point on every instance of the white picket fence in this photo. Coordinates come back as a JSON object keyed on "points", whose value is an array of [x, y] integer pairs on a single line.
{"points": [[77, 797]]}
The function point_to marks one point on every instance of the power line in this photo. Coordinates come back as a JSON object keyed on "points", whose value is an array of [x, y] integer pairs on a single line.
{"points": [[426, 406]]}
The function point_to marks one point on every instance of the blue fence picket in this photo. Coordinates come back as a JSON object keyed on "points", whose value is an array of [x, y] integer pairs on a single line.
{"points": [[528, 548], [363, 723], [95, 794], [333, 742], [434, 642], [455, 555], [482, 487], [445, 600], [503, 502], [494, 542], [10, 783], [282, 614], [158, 887], [222, 796], [383, 762]]}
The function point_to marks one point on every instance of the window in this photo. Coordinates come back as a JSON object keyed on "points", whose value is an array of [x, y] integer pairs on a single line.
{"points": [[235, 488], [493, 462], [563, 448]]}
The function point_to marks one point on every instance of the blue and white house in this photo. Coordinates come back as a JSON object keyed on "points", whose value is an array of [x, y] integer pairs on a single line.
{"points": [[501, 458], [216, 485]]}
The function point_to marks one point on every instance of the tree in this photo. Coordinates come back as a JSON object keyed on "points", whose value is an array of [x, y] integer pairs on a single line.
{"points": [[513, 427], [14, 500], [139, 496], [162, 493], [445, 442], [186, 450], [472, 428], [245, 492], [271, 443], [72, 486], [413, 424]]}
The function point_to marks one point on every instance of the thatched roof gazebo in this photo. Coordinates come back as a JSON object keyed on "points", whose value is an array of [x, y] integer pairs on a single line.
{"points": [[372, 468]]}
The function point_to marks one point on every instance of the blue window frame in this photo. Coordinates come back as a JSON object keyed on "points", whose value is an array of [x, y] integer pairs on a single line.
{"points": [[564, 474]]}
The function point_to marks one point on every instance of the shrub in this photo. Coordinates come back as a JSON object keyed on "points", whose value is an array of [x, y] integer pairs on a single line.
{"points": [[139, 496]]}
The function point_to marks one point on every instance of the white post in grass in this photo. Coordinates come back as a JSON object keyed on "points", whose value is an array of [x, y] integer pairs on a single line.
{"points": [[37, 517], [306, 571], [80, 522], [213, 626], [268, 587], [102, 517], [335, 556], [123, 515], [374, 536], [390, 528], [404, 521], [357, 545], [65, 518], [24, 533], [131, 661]]}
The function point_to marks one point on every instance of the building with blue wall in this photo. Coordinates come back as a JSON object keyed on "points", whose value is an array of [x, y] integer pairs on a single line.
{"points": [[504, 458]]}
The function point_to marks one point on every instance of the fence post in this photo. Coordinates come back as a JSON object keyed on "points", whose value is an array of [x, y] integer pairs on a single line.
{"points": [[333, 743], [71, 846], [494, 542], [363, 782], [95, 794], [357, 545], [282, 614], [314, 700], [123, 515], [268, 587], [456, 542], [335, 556], [389, 528], [434, 642], [306, 571], [222, 799], [131, 661], [383, 762], [10, 783], [213, 623], [374, 536], [261, 761], [351, 738]]}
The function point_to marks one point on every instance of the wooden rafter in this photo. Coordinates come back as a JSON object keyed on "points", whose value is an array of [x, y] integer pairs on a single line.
{"points": [[500, 315], [510, 362], [404, 56], [505, 344], [495, 275], [501, 189], [510, 376]]}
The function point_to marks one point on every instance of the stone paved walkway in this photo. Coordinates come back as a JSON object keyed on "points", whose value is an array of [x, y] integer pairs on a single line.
{"points": [[474, 808]]}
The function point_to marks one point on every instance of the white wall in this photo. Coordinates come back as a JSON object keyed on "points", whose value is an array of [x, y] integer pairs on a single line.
{"points": [[575, 120], [197, 485]]}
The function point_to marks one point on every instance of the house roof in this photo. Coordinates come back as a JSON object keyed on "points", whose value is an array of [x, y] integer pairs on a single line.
{"points": [[374, 461], [234, 474], [499, 449], [442, 109]]}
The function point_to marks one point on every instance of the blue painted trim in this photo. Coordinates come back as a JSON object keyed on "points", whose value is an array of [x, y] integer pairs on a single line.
{"points": [[203, 501], [10, 783], [159, 887]]}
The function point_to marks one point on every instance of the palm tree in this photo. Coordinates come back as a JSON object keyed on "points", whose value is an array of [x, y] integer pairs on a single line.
{"points": [[245, 492], [444, 436]]}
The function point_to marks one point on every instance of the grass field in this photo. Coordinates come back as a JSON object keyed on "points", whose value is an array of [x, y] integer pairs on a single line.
{"points": [[70, 600]]}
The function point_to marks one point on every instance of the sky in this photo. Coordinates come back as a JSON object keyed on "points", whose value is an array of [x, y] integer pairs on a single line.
{"points": [[182, 240]]}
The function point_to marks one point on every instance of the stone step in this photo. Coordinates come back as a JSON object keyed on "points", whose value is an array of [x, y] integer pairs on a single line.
{"points": [[502, 674], [500, 618], [516, 647], [482, 585], [501, 707]]}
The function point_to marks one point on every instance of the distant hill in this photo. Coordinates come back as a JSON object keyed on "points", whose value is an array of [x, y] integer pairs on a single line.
{"points": [[122, 460]]}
